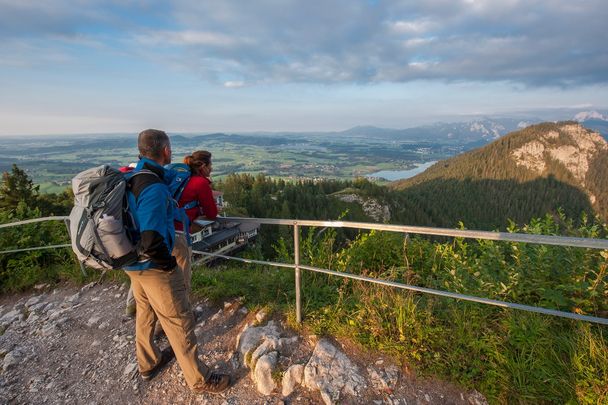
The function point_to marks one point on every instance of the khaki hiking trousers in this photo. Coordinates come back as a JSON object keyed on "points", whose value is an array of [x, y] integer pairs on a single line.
{"points": [[161, 295], [183, 256]]}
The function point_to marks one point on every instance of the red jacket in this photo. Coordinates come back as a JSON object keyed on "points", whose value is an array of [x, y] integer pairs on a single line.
{"points": [[198, 189]]}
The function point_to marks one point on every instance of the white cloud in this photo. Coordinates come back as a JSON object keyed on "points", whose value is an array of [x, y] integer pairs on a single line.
{"points": [[188, 38], [234, 84], [415, 27], [417, 42]]}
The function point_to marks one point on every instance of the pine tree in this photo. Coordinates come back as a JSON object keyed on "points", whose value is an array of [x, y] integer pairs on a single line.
{"points": [[17, 186]]}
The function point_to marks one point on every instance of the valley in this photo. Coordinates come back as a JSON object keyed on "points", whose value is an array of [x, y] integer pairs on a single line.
{"points": [[51, 161]]}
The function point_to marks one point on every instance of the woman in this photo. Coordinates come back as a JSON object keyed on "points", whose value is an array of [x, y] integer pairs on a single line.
{"points": [[198, 190], [199, 187]]}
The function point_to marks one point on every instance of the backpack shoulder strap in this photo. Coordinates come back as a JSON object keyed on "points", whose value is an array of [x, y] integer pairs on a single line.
{"points": [[190, 205], [139, 180]]}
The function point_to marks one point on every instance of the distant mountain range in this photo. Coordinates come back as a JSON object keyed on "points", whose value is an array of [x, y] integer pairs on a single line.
{"points": [[590, 115], [471, 133], [594, 120], [524, 174]]}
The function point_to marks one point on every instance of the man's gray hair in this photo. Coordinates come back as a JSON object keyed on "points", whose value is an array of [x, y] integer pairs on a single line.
{"points": [[151, 143]]}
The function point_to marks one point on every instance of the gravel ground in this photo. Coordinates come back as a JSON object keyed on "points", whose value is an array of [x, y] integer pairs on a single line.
{"points": [[73, 345]]}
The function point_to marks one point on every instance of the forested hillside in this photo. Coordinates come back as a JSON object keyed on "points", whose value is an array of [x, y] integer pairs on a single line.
{"points": [[525, 174]]}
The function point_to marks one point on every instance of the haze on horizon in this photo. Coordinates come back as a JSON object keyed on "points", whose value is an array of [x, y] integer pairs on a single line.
{"points": [[202, 66]]}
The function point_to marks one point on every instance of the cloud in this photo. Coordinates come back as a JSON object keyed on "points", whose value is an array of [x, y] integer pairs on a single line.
{"points": [[188, 38], [415, 27], [234, 84], [533, 42]]}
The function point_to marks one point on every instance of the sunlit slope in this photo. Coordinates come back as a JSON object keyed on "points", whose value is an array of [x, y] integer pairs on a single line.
{"points": [[524, 174]]}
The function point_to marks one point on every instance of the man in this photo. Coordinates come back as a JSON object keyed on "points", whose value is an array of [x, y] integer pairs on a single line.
{"points": [[158, 286]]}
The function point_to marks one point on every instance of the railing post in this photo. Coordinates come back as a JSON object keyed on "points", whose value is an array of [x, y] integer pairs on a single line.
{"points": [[67, 225], [296, 254]]}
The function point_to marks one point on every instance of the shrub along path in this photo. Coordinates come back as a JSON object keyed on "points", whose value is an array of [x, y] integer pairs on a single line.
{"points": [[70, 345]]}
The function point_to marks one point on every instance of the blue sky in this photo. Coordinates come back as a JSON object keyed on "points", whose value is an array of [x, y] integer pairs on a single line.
{"points": [[90, 66]]}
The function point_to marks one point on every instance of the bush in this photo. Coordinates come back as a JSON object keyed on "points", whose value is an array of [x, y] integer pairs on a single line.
{"points": [[22, 270], [511, 356]]}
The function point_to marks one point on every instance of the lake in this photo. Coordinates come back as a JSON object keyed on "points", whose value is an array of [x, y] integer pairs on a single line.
{"points": [[392, 175]]}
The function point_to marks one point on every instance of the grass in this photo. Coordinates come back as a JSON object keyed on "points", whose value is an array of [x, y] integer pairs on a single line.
{"points": [[510, 356]]}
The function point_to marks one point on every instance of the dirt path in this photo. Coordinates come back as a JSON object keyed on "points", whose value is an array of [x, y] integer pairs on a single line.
{"points": [[74, 346]]}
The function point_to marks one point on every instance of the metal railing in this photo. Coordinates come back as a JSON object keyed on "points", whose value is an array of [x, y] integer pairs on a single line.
{"points": [[486, 235], [65, 220]]}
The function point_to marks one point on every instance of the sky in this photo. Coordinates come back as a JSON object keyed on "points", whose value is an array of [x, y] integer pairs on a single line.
{"points": [[92, 66]]}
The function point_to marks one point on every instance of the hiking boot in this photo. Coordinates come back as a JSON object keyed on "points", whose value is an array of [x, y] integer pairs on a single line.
{"points": [[159, 333], [165, 357], [214, 384]]}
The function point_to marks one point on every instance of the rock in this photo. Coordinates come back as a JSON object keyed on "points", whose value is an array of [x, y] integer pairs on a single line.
{"points": [[331, 372], [104, 325], [33, 301], [234, 360], [372, 207], [285, 343], [327, 396], [261, 316], [73, 298], [11, 359], [88, 286], [50, 329], [243, 311], [476, 398], [12, 316], [384, 380], [130, 369], [269, 343], [32, 319], [39, 307], [251, 337], [93, 320], [292, 377], [262, 375], [216, 316], [56, 314]]}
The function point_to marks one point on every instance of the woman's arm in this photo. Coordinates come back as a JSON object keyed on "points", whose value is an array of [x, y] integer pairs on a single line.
{"points": [[206, 201]]}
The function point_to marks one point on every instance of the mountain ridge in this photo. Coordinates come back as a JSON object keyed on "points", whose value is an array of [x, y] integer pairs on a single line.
{"points": [[549, 159]]}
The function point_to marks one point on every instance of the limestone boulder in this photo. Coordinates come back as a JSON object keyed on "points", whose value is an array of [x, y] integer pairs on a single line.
{"points": [[332, 373]]}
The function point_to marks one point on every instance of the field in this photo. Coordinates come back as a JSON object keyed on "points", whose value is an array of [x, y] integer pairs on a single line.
{"points": [[52, 161]]}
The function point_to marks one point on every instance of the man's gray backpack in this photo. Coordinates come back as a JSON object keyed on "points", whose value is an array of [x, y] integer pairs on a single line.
{"points": [[101, 227]]}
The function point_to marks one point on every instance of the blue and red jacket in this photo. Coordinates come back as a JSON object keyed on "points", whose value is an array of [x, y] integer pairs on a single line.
{"points": [[153, 209]]}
